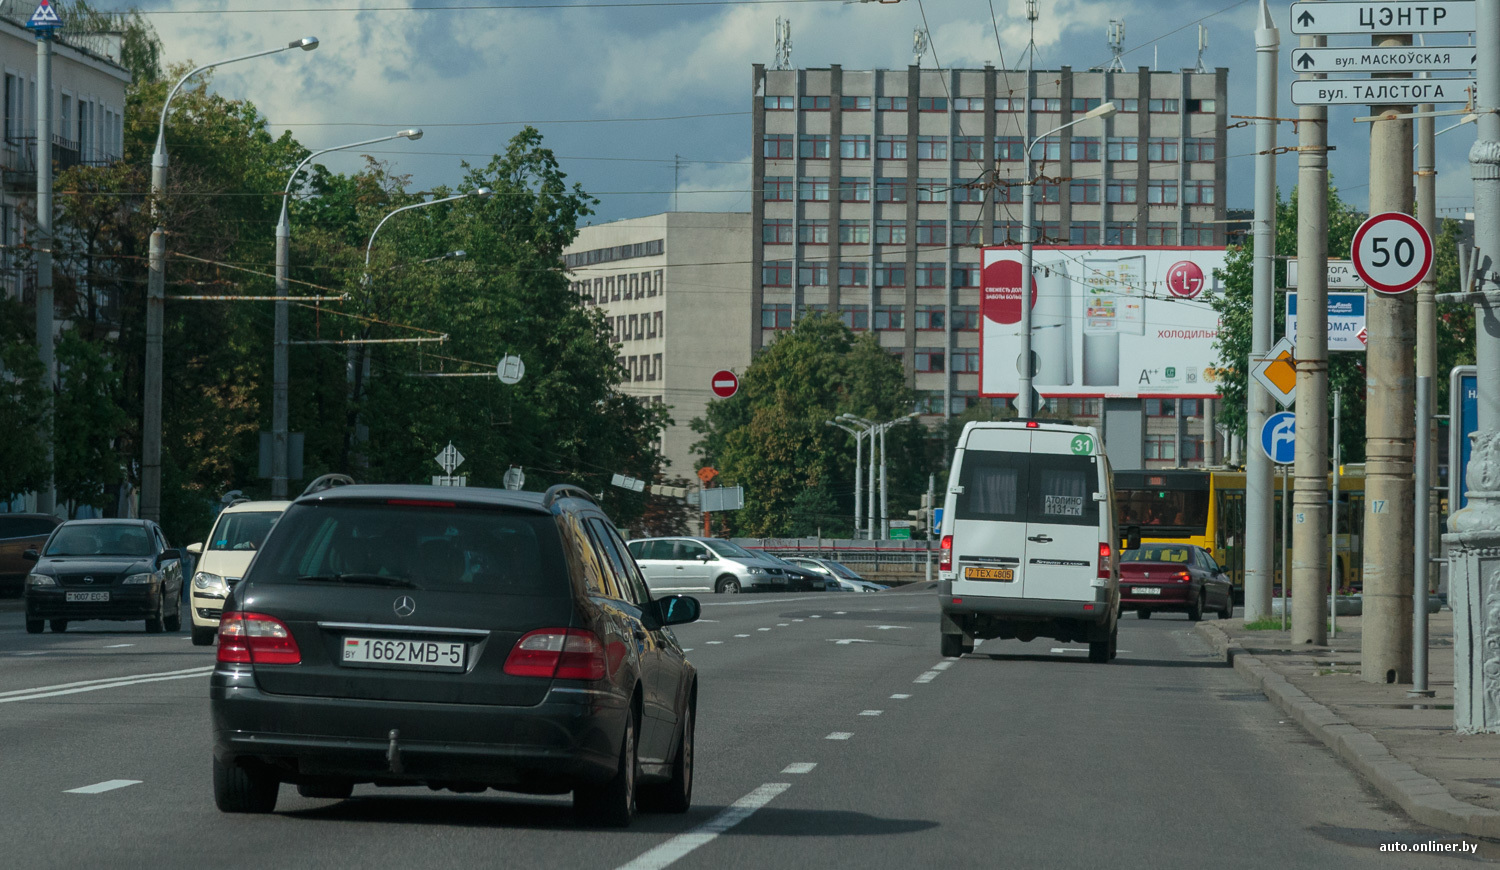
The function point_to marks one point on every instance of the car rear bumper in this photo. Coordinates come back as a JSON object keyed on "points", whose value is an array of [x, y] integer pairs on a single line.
{"points": [[1174, 597], [1037, 609], [572, 736], [125, 602]]}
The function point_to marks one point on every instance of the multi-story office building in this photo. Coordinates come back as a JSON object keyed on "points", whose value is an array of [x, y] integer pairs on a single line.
{"points": [[676, 289], [877, 188]]}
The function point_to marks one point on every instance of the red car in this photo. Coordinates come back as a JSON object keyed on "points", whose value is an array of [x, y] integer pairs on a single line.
{"points": [[19, 533], [1181, 578]]}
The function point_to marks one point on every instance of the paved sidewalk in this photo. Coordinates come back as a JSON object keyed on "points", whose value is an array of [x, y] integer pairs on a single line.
{"points": [[1405, 747]]}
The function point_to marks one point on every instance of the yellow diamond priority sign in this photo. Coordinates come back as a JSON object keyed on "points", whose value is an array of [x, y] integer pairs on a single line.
{"points": [[1276, 370]]}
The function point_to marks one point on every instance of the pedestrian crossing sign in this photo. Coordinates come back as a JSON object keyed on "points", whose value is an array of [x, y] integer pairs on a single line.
{"points": [[44, 18]]}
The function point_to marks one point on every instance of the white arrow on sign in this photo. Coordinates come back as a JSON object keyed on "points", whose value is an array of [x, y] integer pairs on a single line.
{"points": [[1381, 92], [845, 641], [1341, 275], [1400, 59], [1333, 19]]}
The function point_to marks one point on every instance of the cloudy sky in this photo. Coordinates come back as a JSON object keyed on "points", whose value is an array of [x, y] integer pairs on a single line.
{"points": [[622, 89]]}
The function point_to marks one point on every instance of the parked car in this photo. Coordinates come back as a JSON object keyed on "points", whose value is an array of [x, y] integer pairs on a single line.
{"points": [[1159, 578], [841, 577], [458, 638], [105, 569], [799, 577], [704, 564], [222, 559], [19, 533]]}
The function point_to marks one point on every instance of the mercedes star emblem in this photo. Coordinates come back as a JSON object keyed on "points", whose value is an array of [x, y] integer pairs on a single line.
{"points": [[404, 606]]}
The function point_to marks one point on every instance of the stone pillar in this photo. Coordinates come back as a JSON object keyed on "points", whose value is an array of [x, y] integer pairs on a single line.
{"points": [[1474, 593]]}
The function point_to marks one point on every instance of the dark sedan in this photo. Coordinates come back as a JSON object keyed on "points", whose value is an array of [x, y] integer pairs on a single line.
{"points": [[461, 639], [105, 569], [19, 533], [799, 577], [1158, 578]]}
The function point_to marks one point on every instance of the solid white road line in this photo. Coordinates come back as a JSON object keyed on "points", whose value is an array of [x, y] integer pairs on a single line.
{"points": [[900, 697], [100, 787], [870, 712], [680, 845], [800, 767], [942, 666], [95, 685], [839, 735]]}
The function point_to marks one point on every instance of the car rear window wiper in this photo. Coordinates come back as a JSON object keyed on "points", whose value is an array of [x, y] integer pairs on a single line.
{"points": [[369, 579]]}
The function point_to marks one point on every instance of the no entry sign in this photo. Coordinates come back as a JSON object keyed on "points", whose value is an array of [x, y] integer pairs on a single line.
{"points": [[1392, 252], [724, 383]]}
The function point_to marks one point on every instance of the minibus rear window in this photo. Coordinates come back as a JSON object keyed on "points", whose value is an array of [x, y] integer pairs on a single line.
{"points": [[1028, 487]]}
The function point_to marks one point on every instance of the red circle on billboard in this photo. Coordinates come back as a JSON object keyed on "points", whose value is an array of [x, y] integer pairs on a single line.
{"points": [[1000, 298], [1185, 279], [724, 383]]}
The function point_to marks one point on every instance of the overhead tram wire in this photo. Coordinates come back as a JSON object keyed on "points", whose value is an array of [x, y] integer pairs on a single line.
{"points": [[484, 7]]}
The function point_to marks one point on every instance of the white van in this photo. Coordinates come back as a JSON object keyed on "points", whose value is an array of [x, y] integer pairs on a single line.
{"points": [[1030, 547]]}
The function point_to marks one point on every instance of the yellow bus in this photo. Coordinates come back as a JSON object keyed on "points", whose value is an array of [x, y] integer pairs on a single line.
{"points": [[1206, 508]]}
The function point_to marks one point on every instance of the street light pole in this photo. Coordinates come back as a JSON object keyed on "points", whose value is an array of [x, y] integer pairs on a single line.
{"points": [[1028, 210], [156, 296], [47, 495], [858, 461], [280, 399]]}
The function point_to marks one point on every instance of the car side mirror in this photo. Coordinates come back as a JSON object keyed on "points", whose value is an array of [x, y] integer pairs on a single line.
{"points": [[703, 557], [1132, 539], [672, 610], [195, 549], [31, 555], [169, 555]]}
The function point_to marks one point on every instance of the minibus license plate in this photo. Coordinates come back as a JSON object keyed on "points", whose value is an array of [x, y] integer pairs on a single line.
{"points": [[426, 654], [973, 573]]}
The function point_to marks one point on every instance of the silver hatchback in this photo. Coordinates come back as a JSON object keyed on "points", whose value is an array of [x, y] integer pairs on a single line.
{"points": [[702, 564]]}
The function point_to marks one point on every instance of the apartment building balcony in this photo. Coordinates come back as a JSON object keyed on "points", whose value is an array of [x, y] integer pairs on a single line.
{"points": [[18, 159]]}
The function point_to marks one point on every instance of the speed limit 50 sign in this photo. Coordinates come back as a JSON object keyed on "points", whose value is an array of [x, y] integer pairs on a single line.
{"points": [[1392, 252]]}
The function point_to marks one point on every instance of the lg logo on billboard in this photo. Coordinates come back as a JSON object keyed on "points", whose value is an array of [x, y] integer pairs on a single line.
{"points": [[1185, 279]]}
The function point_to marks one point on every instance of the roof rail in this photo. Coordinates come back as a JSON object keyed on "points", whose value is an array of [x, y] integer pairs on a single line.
{"points": [[565, 490], [326, 482], [240, 500]]}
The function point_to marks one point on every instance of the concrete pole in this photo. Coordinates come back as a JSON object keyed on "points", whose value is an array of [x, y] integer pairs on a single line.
{"points": [[1424, 508], [279, 362], [1484, 168], [46, 497], [1210, 437], [1259, 564], [1333, 524], [859, 459], [870, 513], [885, 522], [1310, 501], [1385, 639]]}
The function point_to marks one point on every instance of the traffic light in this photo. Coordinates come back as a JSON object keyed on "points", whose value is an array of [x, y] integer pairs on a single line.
{"points": [[923, 515]]}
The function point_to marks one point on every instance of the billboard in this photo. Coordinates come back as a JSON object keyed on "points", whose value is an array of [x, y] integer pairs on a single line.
{"points": [[1116, 322]]}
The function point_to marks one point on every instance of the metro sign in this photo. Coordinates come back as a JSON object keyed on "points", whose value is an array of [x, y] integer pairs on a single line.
{"points": [[1335, 19]]}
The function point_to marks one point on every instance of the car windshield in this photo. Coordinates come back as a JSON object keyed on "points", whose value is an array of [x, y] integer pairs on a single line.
{"points": [[242, 531], [100, 539], [725, 548], [438, 548], [842, 571], [1155, 553]]}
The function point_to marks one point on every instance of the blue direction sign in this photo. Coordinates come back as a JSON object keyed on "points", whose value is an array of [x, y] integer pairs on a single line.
{"points": [[44, 19], [1278, 437]]}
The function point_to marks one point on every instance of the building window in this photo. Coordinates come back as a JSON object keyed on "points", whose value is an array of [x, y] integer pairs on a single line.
{"points": [[893, 104], [1119, 233], [965, 318], [854, 232], [650, 323], [1198, 192], [656, 365], [620, 333], [932, 190], [854, 147], [618, 252], [1121, 191], [964, 359], [854, 188], [1199, 150], [815, 103], [776, 316], [813, 232], [656, 317], [1010, 104], [854, 104], [1050, 149], [890, 232], [613, 286], [1010, 148], [776, 273], [1083, 234], [932, 104], [1048, 192], [1161, 105], [1160, 447], [855, 316], [968, 192], [1085, 149], [1201, 106], [1192, 448], [657, 284], [778, 188], [889, 317], [1161, 407], [966, 275], [1084, 191], [1161, 192], [1122, 148], [813, 274], [1161, 150], [890, 274], [968, 148], [633, 328], [931, 317], [932, 233], [1046, 104], [781, 103], [929, 360], [891, 147], [777, 232], [931, 274], [966, 234], [968, 104], [813, 188], [777, 147], [1009, 192], [1128, 104], [814, 147], [1086, 104], [890, 189], [1161, 234], [1190, 407], [854, 274], [1198, 234], [932, 148]]}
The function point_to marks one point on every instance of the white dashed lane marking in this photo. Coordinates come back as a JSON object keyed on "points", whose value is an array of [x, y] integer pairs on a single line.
{"points": [[762, 629], [942, 666], [679, 846], [927, 677], [784, 624], [742, 635], [840, 735], [900, 697], [118, 645], [800, 767], [715, 642], [870, 712], [100, 787]]}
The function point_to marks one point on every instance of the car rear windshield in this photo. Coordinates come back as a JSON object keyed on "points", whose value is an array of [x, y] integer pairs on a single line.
{"points": [[101, 539], [1157, 553], [1005, 486], [242, 531], [443, 548]]}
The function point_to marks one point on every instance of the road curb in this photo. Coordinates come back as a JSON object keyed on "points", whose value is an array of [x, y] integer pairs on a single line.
{"points": [[1419, 795]]}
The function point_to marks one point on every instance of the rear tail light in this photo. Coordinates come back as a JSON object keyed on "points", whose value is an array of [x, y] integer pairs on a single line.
{"points": [[1103, 561], [1183, 577], [254, 638], [945, 554], [557, 653]]}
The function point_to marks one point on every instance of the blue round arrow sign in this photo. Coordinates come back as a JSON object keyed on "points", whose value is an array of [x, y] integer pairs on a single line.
{"points": [[1278, 437]]}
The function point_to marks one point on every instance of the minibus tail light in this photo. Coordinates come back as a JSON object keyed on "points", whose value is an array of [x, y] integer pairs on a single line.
{"points": [[945, 554]]}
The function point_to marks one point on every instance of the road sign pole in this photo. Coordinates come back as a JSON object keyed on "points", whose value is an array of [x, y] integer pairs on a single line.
{"points": [[1425, 508], [1258, 496], [1309, 565], [1385, 639]]}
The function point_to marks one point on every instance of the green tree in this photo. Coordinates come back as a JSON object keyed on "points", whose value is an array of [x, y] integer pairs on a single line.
{"points": [[88, 419], [23, 404]]}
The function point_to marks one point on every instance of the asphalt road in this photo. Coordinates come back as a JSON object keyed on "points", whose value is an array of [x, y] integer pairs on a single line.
{"points": [[831, 734]]}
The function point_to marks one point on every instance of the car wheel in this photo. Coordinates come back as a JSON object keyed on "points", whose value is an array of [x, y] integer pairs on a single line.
{"points": [[1114, 642], [35, 626], [156, 622], [727, 585], [173, 620], [952, 646], [1228, 611], [59, 626], [204, 636], [1099, 651], [676, 794], [1195, 612], [1143, 614], [612, 804], [239, 789], [335, 789]]}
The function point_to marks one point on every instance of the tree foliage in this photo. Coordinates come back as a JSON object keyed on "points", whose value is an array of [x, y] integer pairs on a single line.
{"points": [[24, 402]]}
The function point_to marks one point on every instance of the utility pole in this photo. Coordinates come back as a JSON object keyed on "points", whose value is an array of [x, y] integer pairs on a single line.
{"points": [[1310, 510], [1424, 508], [885, 522], [46, 497], [1385, 639], [1210, 437], [931, 513], [1258, 494], [870, 513], [1333, 524]]}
